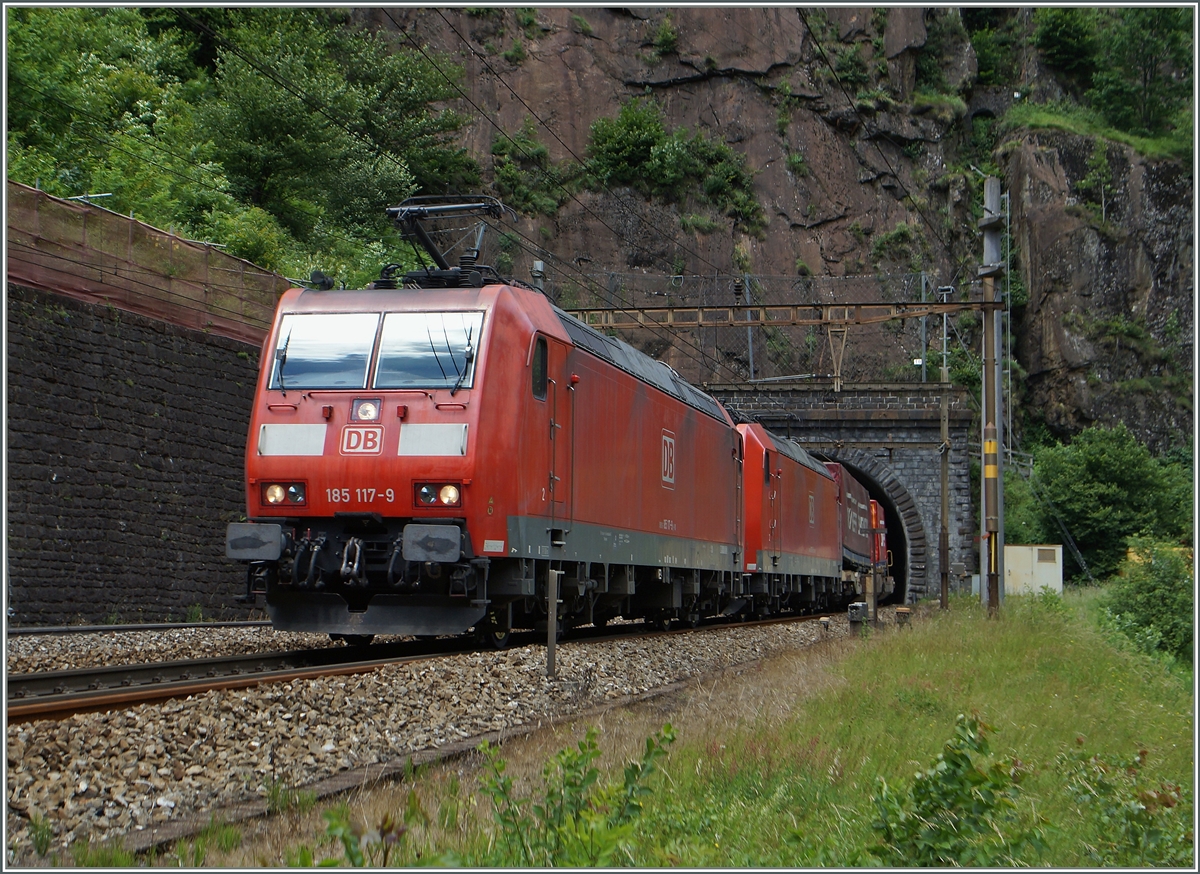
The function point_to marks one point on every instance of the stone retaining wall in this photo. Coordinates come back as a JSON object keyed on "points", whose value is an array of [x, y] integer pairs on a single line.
{"points": [[125, 462]]}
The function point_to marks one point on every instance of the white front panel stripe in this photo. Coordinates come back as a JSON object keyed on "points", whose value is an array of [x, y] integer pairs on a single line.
{"points": [[291, 440], [418, 439]]}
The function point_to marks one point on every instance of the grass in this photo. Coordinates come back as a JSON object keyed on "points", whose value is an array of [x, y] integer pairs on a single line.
{"points": [[780, 764], [1085, 122], [89, 855], [282, 797], [1047, 680]]}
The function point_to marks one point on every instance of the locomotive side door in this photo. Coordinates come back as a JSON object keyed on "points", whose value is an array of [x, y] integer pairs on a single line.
{"points": [[771, 484], [560, 454]]}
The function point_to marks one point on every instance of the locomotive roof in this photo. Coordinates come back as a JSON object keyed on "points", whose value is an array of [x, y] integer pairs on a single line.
{"points": [[798, 454], [639, 365], [619, 354]]}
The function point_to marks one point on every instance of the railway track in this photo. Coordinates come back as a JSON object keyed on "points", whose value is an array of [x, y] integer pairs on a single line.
{"points": [[143, 626], [60, 694]]}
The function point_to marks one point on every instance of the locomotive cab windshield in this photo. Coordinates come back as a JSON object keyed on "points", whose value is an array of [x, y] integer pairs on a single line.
{"points": [[426, 350]]}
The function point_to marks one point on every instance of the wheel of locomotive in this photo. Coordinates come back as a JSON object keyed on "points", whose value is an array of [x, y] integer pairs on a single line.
{"points": [[493, 636], [354, 639], [662, 623], [599, 621]]}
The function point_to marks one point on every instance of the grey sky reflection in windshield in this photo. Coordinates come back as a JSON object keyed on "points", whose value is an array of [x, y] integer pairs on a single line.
{"points": [[427, 350], [325, 350]]}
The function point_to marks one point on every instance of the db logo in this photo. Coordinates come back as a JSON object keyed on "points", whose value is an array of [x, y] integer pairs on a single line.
{"points": [[362, 440], [668, 460]]}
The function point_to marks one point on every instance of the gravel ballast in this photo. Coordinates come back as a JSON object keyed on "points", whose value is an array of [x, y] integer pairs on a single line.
{"points": [[101, 775], [64, 652]]}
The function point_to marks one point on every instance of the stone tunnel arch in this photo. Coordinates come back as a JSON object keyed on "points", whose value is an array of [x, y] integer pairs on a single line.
{"points": [[906, 535]]}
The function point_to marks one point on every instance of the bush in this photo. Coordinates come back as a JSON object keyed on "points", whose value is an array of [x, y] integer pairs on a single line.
{"points": [[524, 175], [635, 149], [620, 147], [1153, 599], [956, 812]]}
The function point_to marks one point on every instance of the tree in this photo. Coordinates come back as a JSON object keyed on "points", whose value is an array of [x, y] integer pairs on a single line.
{"points": [[99, 104], [1146, 76], [1107, 488], [281, 133], [1067, 39]]}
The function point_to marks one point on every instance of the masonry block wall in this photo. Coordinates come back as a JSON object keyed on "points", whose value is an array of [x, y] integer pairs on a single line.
{"points": [[125, 462]]}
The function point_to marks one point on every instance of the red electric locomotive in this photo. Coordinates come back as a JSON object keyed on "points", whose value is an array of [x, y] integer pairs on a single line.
{"points": [[854, 511], [793, 542], [880, 559], [424, 454]]}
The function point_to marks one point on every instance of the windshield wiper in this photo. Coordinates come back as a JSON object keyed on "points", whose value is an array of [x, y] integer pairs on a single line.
{"points": [[468, 357], [436, 357], [281, 357]]}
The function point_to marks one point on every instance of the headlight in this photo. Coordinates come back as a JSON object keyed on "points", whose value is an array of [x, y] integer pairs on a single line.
{"points": [[283, 493], [438, 494], [365, 410]]}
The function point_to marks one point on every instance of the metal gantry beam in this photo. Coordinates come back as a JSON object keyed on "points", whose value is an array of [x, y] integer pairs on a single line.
{"points": [[685, 318]]}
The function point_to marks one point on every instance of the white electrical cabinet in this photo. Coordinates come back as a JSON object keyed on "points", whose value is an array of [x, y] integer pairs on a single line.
{"points": [[1029, 569]]}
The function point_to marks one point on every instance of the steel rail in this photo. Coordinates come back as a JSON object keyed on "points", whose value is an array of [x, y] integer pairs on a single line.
{"points": [[133, 626], [56, 694]]}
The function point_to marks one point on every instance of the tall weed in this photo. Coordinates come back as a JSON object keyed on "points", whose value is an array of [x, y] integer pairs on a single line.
{"points": [[956, 812], [1137, 822], [578, 822]]}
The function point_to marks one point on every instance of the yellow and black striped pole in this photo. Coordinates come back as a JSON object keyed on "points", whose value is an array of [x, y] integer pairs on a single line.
{"points": [[992, 267], [991, 513]]}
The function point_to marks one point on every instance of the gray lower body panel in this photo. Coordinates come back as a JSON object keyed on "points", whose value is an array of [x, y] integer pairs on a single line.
{"points": [[328, 613], [530, 537], [799, 565]]}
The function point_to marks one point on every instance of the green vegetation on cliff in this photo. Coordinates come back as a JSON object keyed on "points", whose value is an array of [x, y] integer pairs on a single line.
{"points": [[280, 133]]}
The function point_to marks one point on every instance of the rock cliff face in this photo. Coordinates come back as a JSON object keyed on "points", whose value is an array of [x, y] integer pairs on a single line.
{"points": [[1107, 331]]}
